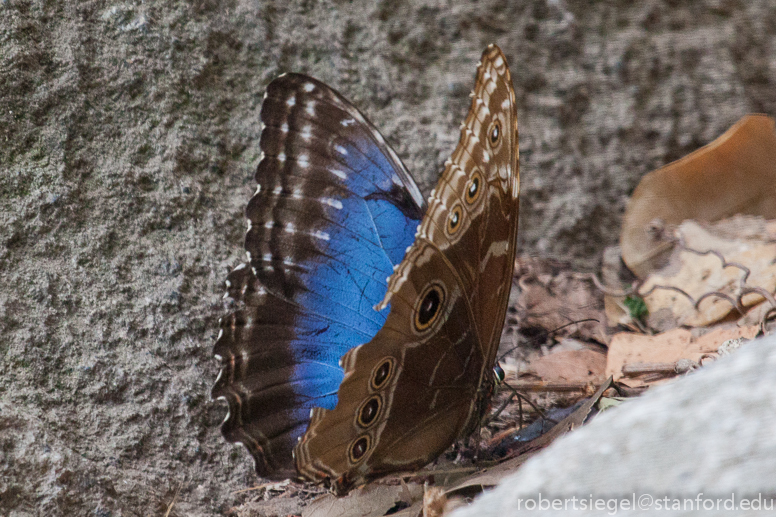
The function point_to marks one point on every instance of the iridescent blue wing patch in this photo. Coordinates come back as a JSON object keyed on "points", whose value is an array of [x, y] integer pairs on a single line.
{"points": [[334, 211]]}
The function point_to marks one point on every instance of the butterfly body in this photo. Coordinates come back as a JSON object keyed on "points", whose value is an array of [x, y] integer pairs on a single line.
{"points": [[424, 376]]}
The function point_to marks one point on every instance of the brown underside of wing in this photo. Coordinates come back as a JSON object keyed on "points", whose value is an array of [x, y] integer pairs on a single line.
{"points": [[442, 344]]}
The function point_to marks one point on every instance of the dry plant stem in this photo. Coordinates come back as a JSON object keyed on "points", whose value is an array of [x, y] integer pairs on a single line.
{"points": [[257, 487], [249, 489], [632, 370], [742, 282], [279, 485], [172, 503], [721, 258], [762, 292], [601, 287], [542, 386], [669, 288], [421, 474], [735, 302]]}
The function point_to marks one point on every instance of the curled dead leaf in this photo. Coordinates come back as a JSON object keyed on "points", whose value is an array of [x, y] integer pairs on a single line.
{"points": [[734, 174], [572, 366], [660, 357]]}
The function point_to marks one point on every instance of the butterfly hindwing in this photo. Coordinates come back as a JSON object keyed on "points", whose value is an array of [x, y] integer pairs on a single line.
{"points": [[334, 211], [425, 378]]}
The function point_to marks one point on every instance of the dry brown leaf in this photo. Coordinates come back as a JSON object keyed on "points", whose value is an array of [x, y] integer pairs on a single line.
{"points": [[715, 337], [553, 296], [633, 350], [736, 173], [372, 500], [699, 274], [574, 366]]}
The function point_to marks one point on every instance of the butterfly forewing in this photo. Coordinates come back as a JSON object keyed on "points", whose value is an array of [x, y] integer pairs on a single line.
{"points": [[448, 301], [333, 213]]}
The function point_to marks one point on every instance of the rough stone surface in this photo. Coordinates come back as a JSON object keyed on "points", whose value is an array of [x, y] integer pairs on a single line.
{"points": [[709, 433], [128, 141]]}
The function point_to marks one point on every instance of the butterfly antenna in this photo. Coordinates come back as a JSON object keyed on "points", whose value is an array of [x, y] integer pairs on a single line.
{"points": [[549, 333], [520, 398]]}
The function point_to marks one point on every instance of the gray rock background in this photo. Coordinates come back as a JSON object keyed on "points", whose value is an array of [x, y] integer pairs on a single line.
{"points": [[128, 140], [706, 439]]}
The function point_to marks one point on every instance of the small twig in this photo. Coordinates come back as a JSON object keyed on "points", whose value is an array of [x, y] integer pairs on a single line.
{"points": [[544, 386], [680, 366], [735, 302], [667, 288], [264, 485], [172, 503], [601, 287], [632, 370], [762, 292]]}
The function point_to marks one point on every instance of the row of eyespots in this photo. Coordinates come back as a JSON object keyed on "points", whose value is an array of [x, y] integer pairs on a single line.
{"points": [[370, 410], [474, 187], [426, 312], [471, 195]]}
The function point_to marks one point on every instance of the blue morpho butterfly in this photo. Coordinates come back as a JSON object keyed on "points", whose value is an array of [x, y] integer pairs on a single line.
{"points": [[324, 380]]}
